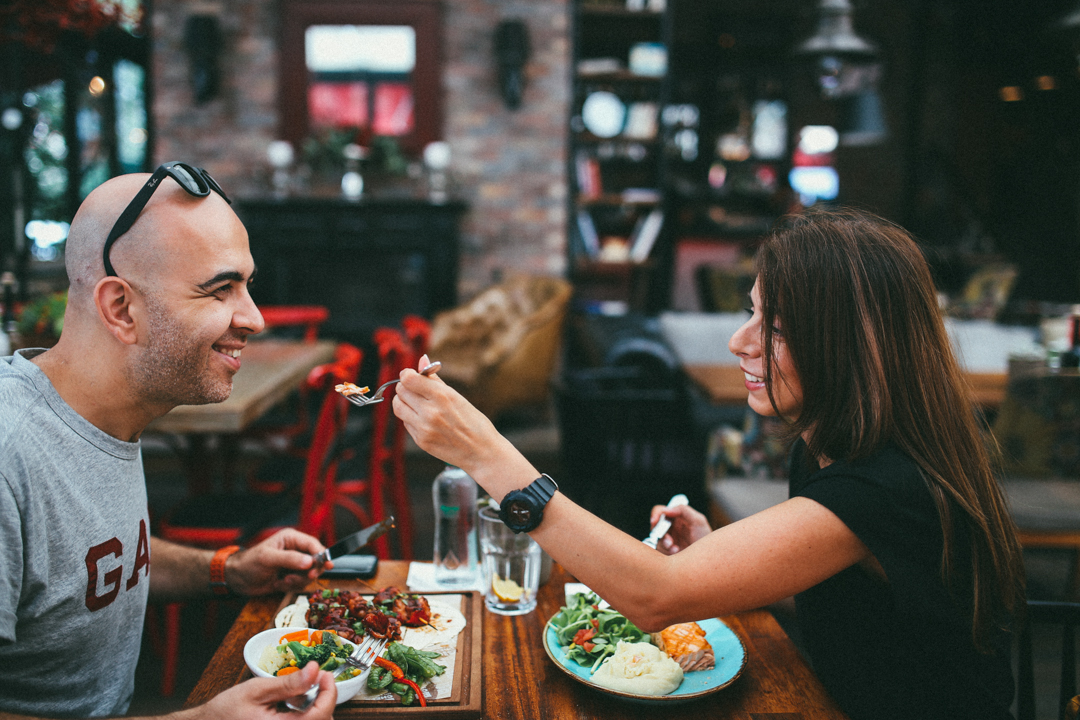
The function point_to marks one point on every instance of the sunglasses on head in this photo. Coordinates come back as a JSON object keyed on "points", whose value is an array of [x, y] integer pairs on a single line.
{"points": [[195, 181]]}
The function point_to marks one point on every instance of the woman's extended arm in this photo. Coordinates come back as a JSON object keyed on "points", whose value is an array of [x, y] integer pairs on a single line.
{"points": [[747, 564]]}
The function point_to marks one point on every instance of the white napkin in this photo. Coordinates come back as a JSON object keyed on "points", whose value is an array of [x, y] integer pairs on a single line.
{"points": [[422, 579]]}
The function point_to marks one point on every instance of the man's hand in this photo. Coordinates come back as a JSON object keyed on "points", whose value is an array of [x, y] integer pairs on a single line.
{"points": [[687, 527], [281, 563], [260, 697]]}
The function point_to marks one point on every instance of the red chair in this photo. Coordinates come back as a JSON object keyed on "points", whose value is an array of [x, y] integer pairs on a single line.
{"points": [[386, 472], [217, 520], [282, 431], [417, 332], [308, 316]]}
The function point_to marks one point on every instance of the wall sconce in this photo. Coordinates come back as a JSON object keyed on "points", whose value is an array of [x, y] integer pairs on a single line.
{"points": [[511, 54], [202, 40]]}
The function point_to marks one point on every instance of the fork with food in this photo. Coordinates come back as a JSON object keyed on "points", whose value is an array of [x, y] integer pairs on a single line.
{"points": [[356, 396]]}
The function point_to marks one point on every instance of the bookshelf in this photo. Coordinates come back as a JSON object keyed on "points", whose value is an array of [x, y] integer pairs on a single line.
{"points": [[620, 85], [679, 158]]}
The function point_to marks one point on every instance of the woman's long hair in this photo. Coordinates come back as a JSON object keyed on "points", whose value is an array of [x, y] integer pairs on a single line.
{"points": [[860, 318]]}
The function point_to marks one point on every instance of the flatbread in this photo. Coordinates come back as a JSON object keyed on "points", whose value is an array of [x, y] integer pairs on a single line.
{"points": [[446, 623], [294, 615]]}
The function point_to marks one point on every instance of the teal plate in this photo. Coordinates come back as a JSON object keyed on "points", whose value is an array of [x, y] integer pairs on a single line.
{"points": [[727, 648]]}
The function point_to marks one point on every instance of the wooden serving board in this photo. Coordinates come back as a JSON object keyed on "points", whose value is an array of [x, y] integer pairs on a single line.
{"points": [[465, 700]]}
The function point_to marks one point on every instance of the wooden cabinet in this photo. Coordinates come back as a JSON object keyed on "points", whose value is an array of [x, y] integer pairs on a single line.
{"points": [[370, 262]]}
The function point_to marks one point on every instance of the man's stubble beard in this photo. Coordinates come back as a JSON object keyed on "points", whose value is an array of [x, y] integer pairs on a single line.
{"points": [[173, 368]]}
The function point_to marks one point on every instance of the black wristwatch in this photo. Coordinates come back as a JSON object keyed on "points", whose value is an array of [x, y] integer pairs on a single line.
{"points": [[522, 510]]}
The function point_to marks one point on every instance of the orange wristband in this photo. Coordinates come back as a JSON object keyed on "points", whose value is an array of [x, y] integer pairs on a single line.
{"points": [[218, 585]]}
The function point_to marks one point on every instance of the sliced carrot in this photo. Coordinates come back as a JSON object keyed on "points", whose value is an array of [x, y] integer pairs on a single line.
{"points": [[316, 637], [297, 636], [287, 670]]}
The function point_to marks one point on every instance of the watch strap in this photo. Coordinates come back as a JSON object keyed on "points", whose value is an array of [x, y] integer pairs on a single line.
{"points": [[542, 489], [218, 586]]}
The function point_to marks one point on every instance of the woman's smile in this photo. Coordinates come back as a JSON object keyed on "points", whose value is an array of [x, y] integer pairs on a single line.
{"points": [[746, 344]]}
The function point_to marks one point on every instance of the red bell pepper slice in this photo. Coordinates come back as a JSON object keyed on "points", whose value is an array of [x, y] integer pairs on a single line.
{"points": [[396, 671], [416, 689], [399, 675]]}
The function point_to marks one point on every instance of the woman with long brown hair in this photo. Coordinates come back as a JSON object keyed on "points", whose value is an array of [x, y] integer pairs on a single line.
{"points": [[896, 540]]}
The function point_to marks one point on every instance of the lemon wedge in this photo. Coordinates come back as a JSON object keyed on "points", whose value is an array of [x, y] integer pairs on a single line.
{"points": [[506, 590]]}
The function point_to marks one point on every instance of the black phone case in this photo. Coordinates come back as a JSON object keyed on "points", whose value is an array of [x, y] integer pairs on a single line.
{"points": [[354, 566]]}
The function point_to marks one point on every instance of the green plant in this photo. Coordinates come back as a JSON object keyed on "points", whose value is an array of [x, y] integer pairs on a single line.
{"points": [[324, 152], [43, 316], [386, 155]]}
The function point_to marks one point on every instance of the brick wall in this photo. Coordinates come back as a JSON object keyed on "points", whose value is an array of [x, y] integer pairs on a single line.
{"points": [[509, 166]]}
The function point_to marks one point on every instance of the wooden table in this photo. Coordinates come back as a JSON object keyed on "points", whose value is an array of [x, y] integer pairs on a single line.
{"points": [[269, 371], [724, 385], [520, 681]]}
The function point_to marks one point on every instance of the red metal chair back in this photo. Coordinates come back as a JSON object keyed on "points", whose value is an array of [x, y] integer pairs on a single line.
{"points": [[417, 332], [310, 316], [325, 452], [291, 430], [393, 353]]}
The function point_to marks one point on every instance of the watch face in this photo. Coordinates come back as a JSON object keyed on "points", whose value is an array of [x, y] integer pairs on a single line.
{"points": [[518, 513]]}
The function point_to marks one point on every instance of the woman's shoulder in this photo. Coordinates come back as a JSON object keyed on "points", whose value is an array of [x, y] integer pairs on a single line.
{"points": [[883, 499], [887, 469]]}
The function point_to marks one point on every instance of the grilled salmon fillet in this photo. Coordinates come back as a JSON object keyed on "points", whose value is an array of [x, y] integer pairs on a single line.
{"points": [[685, 643]]}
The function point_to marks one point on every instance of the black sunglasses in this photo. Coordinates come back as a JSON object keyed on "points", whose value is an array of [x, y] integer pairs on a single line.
{"points": [[195, 180]]}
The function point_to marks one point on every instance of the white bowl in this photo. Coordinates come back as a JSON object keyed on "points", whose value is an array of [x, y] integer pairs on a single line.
{"points": [[253, 650]]}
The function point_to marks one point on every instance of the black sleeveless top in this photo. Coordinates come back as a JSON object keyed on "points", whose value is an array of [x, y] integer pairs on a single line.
{"points": [[900, 648]]}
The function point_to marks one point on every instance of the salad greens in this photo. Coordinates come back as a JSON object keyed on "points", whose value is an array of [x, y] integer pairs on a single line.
{"points": [[588, 634]]}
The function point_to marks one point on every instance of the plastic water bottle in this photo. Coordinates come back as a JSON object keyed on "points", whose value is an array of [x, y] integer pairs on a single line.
{"points": [[456, 559]]}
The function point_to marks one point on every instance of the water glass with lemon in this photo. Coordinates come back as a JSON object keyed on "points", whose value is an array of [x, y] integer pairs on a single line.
{"points": [[511, 565]]}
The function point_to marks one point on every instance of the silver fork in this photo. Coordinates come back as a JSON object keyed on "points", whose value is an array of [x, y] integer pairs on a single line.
{"points": [[377, 396], [663, 524], [362, 657]]}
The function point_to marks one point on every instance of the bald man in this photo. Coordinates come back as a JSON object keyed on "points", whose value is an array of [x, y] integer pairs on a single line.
{"points": [[167, 329]]}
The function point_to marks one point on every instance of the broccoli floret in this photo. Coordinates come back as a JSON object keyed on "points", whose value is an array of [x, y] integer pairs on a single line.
{"points": [[336, 650], [318, 653]]}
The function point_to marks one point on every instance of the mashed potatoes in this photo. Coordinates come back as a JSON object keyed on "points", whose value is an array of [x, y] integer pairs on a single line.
{"points": [[639, 668]]}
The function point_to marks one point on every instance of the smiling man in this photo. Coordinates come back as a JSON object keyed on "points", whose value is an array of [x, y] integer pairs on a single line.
{"points": [[158, 315]]}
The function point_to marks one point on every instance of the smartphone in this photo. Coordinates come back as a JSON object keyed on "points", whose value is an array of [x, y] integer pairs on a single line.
{"points": [[354, 566]]}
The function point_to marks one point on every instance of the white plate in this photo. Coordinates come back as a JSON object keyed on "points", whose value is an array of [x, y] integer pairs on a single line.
{"points": [[603, 114]]}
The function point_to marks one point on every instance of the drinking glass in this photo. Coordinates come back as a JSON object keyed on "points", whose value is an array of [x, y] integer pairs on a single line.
{"points": [[511, 564]]}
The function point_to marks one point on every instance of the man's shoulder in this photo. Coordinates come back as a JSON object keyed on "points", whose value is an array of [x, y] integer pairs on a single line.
{"points": [[18, 396]]}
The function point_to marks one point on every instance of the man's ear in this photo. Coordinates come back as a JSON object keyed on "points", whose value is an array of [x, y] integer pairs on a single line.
{"points": [[113, 298]]}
